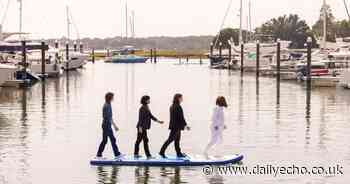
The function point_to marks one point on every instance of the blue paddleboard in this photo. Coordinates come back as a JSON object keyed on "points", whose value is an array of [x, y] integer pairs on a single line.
{"points": [[170, 161]]}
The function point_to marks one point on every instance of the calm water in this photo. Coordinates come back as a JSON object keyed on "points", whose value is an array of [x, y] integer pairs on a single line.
{"points": [[49, 132]]}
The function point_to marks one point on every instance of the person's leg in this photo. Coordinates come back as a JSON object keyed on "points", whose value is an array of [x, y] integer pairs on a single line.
{"points": [[177, 143], [145, 143], [102, 144], [170, 139], [113, 142], [137, 143], [215, 139]]}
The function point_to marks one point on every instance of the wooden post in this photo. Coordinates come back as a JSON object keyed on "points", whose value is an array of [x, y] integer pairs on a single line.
{"points": [[278, 77], [155, 55], [24, 60], [242, 57], [81, 46], [229, 55], [308, 73], [56, 44], [75, 47], [108, 53], [187, 59], [257, 59], [151, 55], [93, 55], [200, 60], [67, 55], [220, 50], [180, 60], [43, 61], [211, 53]]}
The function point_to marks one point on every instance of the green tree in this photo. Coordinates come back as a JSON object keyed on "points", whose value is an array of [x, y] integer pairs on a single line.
{"points": [[290, 28], [342, 28], [227, 34], [331, 26]]}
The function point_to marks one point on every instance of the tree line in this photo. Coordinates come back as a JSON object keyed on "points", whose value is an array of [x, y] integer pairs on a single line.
{"points": [[293, 28]]}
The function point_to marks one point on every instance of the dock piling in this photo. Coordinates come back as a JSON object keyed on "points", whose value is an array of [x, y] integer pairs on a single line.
{"points": [[278, 76], [67, 56], [200, 60], [24, 60], [151, 55], [257, 58], [93, 55], [229, 55], [155, 55], [81, 47], [242, 57], [43, 61], [220, 50], [56, 44], [308, 73], [75, 47]]}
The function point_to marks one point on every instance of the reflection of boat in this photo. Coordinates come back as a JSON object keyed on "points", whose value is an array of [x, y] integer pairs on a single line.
{"points": [[127, 59], [345, 79]]}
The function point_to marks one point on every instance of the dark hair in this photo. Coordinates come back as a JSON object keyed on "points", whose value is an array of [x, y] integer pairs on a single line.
{"points": [[176, 99], [108, 97], [221, 101], [144, 100]]}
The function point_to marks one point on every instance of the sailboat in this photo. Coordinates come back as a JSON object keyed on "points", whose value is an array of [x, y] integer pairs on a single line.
{"points": [[76, 59]]}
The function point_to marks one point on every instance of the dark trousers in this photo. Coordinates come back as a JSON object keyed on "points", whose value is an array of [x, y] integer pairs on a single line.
{"points": [[142, 137], [108, 133], [175, 135]]}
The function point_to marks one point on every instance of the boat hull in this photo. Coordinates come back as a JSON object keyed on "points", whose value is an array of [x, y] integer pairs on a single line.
{"points": [[129, 61]]}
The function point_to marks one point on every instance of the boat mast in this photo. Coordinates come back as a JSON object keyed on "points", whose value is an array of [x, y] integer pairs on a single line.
{"points": [[324, 24], [250, 21], [126, 20], [68, 23], [20, 15], [240, 23]]}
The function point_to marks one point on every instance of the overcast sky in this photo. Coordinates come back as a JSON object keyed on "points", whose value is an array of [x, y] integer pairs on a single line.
{"points": [[102, 18]]}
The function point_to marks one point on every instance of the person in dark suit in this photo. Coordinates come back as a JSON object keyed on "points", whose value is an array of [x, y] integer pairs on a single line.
{"points": [[144, 124], [176, 125]]}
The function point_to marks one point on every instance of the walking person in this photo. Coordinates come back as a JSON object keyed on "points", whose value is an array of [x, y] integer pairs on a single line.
{"points": [[144, 124], [107, 124], [176, 125], [218, 124]]}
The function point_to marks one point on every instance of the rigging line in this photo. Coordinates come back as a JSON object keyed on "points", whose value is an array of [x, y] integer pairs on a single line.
{"points": [[223, 22], [5, 13], [346, 8], [74, 24]]}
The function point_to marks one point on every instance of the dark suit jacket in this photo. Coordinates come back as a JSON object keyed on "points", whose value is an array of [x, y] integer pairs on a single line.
{"points": [[177, 119], [145, 117]]}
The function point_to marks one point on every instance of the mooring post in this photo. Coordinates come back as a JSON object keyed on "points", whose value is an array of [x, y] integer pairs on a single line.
{"points": [[200, 60], [151, 55], [108, 52], [67, 56], [229, 55], [257, 58], [24, 60], [242, 57], [187, 59], [75, 46], [211, 53], [278, 77], [155, 55], [93, 55], [180, 60], [308, 72], [220, 50], [43, 61], [81, 47], [56, 44]]}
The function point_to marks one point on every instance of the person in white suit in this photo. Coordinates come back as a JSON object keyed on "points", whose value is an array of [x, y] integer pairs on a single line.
{"points": [[218, 123]]}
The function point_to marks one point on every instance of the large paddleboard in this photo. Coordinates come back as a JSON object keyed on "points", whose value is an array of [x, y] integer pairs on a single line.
{"points": [[169, 161]]}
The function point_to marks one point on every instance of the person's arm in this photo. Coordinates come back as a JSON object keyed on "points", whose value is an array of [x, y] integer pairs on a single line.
{"points": [[154, 118], [182, 117]]}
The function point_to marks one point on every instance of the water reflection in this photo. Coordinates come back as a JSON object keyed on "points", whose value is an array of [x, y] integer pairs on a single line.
{"points": [[142, 175], [108, 175]]}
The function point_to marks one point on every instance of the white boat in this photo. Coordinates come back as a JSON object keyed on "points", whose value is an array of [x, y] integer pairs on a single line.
{"points": [[345, 79], [7, 73], [53, 66], [76, 60]]}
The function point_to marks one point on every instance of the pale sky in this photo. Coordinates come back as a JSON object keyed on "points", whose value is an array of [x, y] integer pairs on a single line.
{"points": [[102, 18]]}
